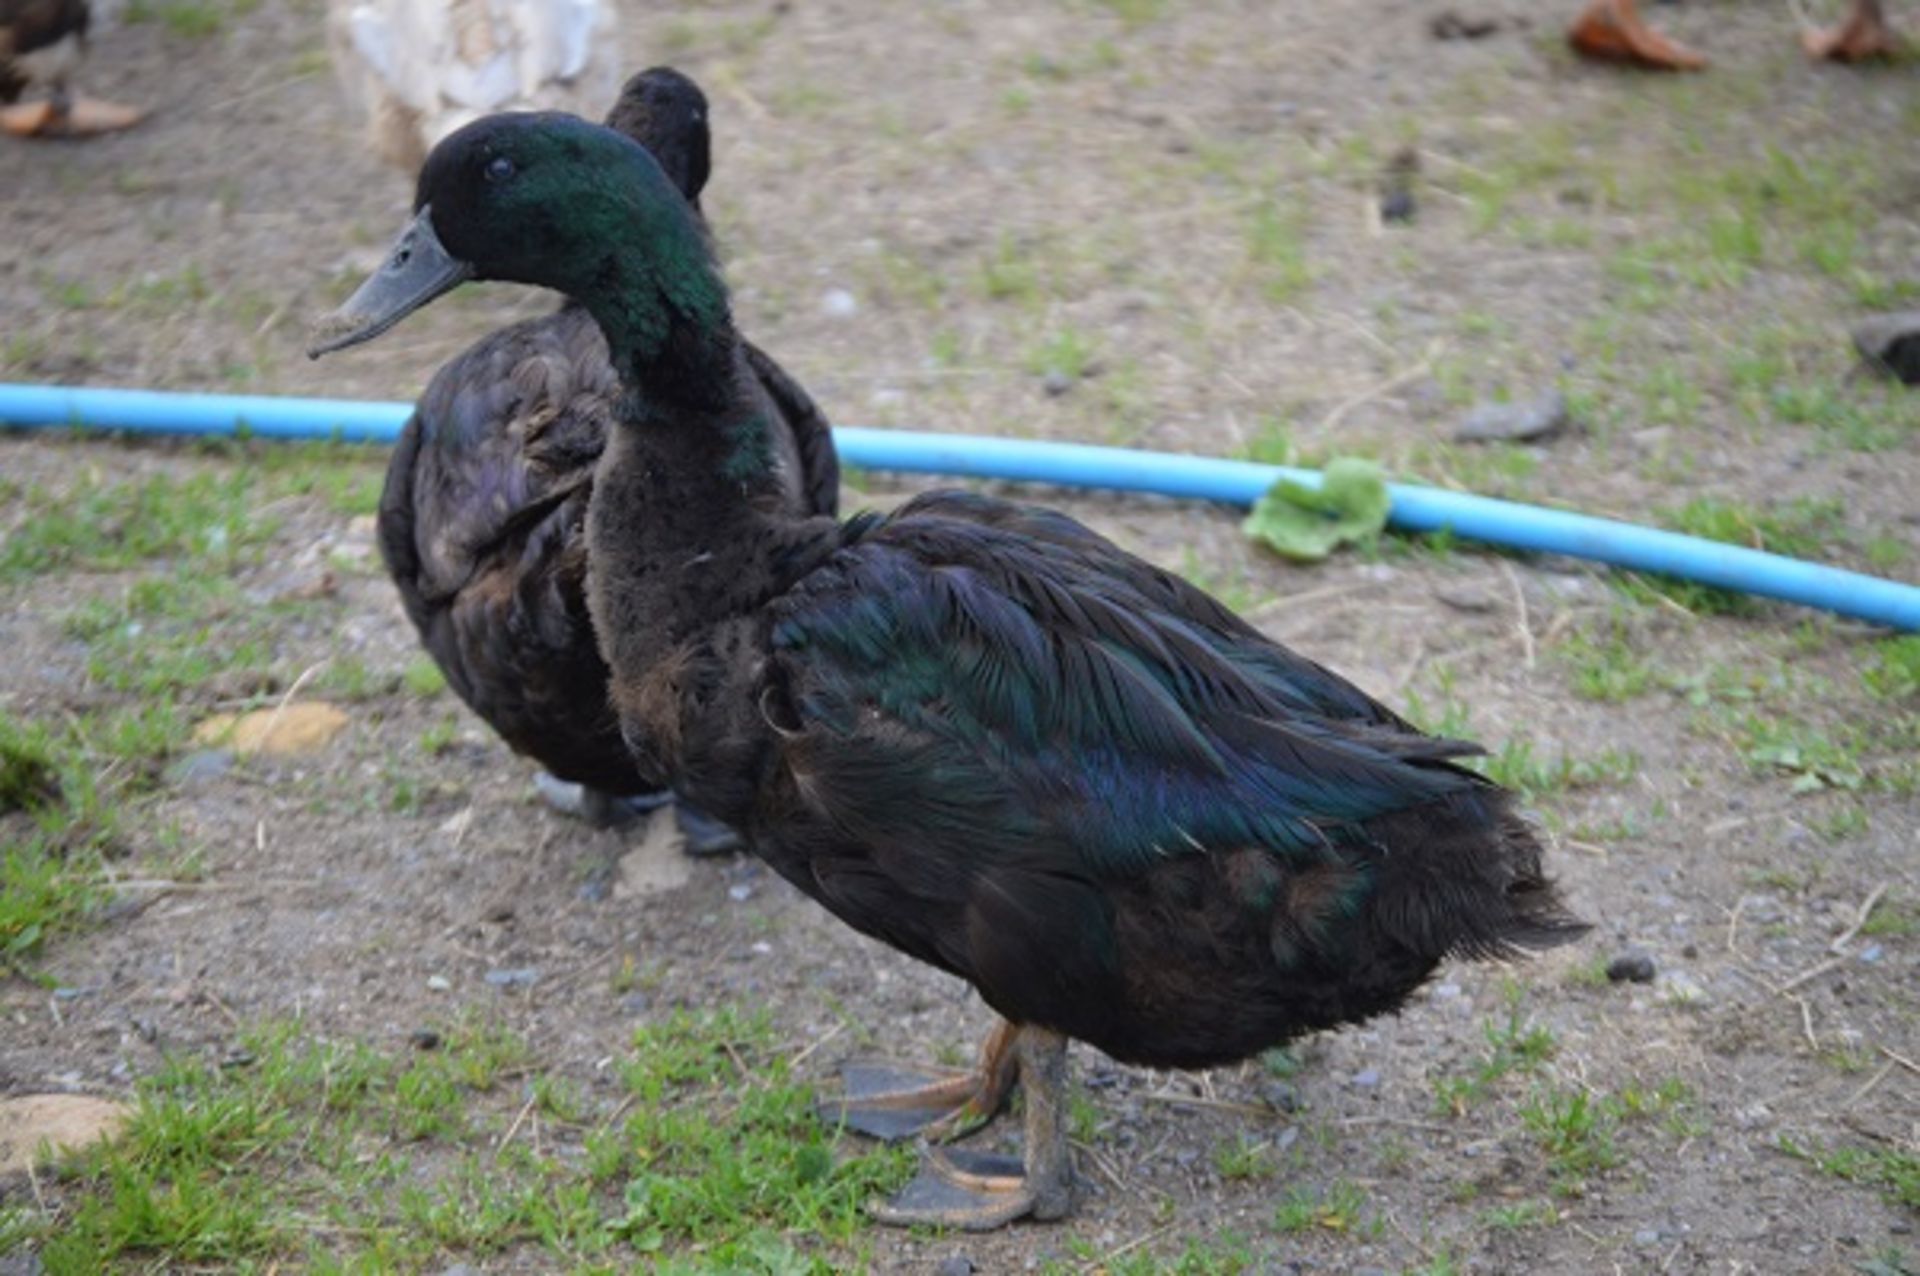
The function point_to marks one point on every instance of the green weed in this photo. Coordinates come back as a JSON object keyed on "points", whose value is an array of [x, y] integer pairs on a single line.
{"points": [[1894, 1171], [1336, 1209], [1518, 1045]]}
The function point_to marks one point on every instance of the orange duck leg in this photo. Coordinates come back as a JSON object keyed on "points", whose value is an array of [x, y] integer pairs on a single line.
{"points": [[63, 115], [1863, 36], [1613, 30], [891, 1103]]}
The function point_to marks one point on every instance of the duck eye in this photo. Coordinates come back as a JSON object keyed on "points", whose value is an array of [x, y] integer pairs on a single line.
{"points": [[499, 168]]}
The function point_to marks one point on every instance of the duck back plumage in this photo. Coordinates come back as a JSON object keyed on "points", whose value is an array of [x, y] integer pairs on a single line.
{"points": [[483, 527], [1000, 743]]}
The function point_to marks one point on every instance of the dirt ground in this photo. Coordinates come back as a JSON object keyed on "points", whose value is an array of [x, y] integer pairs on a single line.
{"points": [[1138, 223]]}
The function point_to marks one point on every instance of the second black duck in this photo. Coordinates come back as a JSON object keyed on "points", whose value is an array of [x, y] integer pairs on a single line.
{"points": [[483, 519]]}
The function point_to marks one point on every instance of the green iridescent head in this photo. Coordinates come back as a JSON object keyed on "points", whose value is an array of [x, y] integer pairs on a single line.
{"points": [[551, 200]]}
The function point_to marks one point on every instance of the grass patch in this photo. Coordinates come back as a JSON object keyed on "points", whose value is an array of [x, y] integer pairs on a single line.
{"points": [[1895, 672], [1533, 775], [193, 19], [168, 636], [1277, 252], [1338, 1208], [97, 525], [65, 789], [1893, 916], [1576, 1132], [340, 1156], [1814, 758], [1518, 1045], [1241, 1158], [1519, 1216], [1606, 666], [422, 678], [1894, 1171]]}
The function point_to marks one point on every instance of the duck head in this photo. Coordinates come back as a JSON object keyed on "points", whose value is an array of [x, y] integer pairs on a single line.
{"points": [[666, 112], [547, 199]]}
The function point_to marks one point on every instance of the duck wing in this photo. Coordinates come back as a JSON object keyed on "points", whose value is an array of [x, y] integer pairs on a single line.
{"points": [[1011, 749], [818, 477], [482, 525]]}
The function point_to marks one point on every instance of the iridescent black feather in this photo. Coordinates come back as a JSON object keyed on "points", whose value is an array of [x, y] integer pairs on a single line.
{"points": [[999, 742], [482, 522]]}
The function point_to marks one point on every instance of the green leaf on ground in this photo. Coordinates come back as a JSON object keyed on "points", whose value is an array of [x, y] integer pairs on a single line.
{"points": [[1307, 524]]}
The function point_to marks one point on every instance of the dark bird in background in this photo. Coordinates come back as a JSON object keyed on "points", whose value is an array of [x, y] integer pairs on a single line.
{"points": [[974, 730], [45, 40], [483, 519]]}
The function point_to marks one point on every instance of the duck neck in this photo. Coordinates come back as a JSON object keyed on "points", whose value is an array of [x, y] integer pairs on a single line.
{"points": [[688, 518]]}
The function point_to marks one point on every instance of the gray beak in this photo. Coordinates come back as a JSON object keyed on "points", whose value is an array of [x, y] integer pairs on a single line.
{"points": [[416, 271]]}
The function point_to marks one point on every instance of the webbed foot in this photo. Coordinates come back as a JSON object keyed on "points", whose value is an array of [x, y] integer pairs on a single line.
{"points": [[894, 1102], [74, 117], [975, 1192], [701, 834], [1863, 37], [979, 1191], [596, 807], [1613, 30]]}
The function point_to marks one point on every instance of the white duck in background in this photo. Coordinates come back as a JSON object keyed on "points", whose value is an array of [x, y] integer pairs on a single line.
{"points": [[422, 68]]}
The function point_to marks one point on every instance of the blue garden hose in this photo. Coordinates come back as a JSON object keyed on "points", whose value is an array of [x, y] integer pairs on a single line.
{"points": [[1415, 509]]}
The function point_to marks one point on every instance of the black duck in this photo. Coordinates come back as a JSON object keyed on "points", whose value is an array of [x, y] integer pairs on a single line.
{"points": [[483, 519], [974, 730]]}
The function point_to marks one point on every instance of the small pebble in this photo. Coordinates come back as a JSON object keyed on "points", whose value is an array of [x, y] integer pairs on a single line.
{"points": [[1367, 1078], [200, 766], [1467, 598], [955, 1265], [1534, 419], [740, 892], [1646, 1236], [1445, 992], [1056, 383], [513, 977], [838, 303], [1397, 205], [1631, 967], [1449, 25], [1281, 1097], [635, 1003], [439, 983], [1872, 953], [1690, 951], [761, 948], [424, 1039]]}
